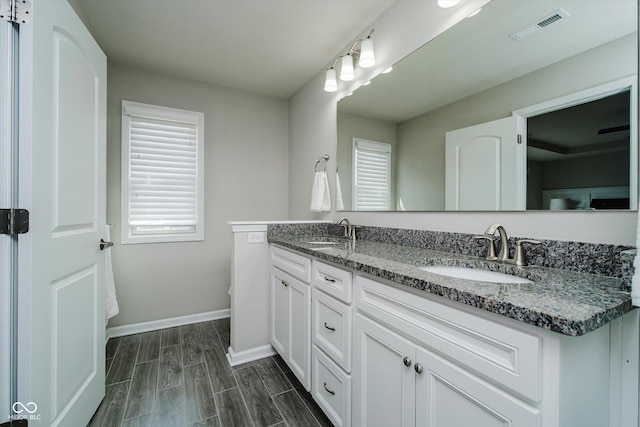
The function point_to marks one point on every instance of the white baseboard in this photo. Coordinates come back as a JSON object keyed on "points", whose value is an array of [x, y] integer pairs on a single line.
{"points": [[136, 328], [250, 355]]}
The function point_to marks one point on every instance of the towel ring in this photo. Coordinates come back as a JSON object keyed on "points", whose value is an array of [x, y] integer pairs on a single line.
{"points": [[322, 160]]}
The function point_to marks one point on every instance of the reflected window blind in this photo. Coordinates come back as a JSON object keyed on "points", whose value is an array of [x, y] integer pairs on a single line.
{"points": [[162, 175], [372, 175]]}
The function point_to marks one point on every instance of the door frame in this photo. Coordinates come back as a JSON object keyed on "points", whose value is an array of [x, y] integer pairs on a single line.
{"points": [[629, 83], [8, 192]]}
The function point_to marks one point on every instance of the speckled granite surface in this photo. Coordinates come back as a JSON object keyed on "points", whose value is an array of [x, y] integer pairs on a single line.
{"points": [[564, 301], [601, 259]]}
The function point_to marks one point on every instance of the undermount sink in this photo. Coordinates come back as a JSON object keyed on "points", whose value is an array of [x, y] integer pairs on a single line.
{"points": [[315, 242], [475, 274]]}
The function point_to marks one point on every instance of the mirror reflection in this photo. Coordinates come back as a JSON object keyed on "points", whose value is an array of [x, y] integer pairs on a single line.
{"points": [[527, 105]]}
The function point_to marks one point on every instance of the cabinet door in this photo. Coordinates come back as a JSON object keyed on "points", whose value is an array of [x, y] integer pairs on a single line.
{"points": [[383, 384], [449, 396], [299, 331], [279, 311]]}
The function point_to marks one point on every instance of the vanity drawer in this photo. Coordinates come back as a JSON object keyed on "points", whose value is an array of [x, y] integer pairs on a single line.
{"points": [[506, 356], [332, 280], [331, 328], [331, 388], [296, 265]]}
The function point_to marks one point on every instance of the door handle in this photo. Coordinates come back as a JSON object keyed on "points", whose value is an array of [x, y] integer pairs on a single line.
{"points": [[104, 245]]}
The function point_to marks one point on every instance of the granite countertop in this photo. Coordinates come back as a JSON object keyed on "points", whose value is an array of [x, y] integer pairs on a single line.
{"points": [[562, 301]]}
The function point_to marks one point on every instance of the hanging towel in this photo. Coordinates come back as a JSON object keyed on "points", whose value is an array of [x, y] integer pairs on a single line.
{"points": [[111, 302], [635, 281], [339, 201], [320, 197]]}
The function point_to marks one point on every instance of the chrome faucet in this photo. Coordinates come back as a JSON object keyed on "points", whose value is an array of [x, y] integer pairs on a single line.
{"points": [[348, 231], [503, 256]]}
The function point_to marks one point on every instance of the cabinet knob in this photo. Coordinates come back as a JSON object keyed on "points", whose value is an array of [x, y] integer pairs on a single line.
{"points": [[407, 361], [285, 283], [329, 327], [418, 367], [329, 391]]}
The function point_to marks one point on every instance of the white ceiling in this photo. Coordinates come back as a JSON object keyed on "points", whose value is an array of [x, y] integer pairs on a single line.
{"points": [[270, 47]]}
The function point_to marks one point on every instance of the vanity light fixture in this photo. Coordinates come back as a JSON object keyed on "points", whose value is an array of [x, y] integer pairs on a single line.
{"points": [[347, 72], [361, 51], [447, 3]]}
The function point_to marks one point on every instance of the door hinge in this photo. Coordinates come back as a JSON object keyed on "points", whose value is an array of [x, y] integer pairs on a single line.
{"points": [[14, 221], [519, 138], [18, 11]]}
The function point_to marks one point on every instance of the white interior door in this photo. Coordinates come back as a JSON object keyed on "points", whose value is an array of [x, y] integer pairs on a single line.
{"points": [[485, 168], [62, 121]]}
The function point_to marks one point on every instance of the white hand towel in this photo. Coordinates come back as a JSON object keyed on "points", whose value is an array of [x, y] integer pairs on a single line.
{"points": [[635, 280], [111, 302], [320, 197], [326, 199], [339, 201]]}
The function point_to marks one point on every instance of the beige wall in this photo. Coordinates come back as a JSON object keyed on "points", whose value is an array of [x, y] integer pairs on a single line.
{"points": [[402, 28], [246, 162]]}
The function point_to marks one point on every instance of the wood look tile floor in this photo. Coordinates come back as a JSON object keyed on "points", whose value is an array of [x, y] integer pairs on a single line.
{"points": [[181, 377]]}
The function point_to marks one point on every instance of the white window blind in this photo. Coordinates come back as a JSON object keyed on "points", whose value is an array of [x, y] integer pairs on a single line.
{"points": [[162, 174], [372, 175]]}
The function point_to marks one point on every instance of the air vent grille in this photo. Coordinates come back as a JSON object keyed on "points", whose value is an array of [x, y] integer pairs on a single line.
{"points": [[540, 24], [550, 20]]}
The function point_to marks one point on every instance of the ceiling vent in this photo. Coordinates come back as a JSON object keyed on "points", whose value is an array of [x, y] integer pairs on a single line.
{"points": [[540, 24]]}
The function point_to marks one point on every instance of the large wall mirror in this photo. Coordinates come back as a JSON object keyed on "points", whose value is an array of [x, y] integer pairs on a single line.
{"points": [[527, 105]]}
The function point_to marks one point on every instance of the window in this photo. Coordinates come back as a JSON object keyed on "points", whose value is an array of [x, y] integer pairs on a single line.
{"points": [[162, 175], [372, 175]]}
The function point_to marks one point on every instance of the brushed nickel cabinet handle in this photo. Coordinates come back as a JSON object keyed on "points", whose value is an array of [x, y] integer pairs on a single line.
{"points": [[418, 367], [285, 283], [329, 391], [407, 361]]}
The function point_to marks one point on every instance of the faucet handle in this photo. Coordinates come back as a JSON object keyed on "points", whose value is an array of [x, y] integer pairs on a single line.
{"points": [[519, 258], [353, 231], [491, 250]]}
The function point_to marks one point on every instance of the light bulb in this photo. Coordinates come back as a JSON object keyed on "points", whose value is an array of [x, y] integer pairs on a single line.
{"points": [[367, 57], [330, 81], [447, 3], [346, 71]]}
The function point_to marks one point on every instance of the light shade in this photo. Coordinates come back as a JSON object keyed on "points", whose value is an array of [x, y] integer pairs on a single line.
{"points": [[447, 3], [330, 81], [367, 57], [346, 71]]}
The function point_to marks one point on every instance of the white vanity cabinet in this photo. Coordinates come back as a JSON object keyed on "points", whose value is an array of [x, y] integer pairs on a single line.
{"points": [[375, 353], [419, 361], [399, 383], [290, 301], [331, 328]]}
